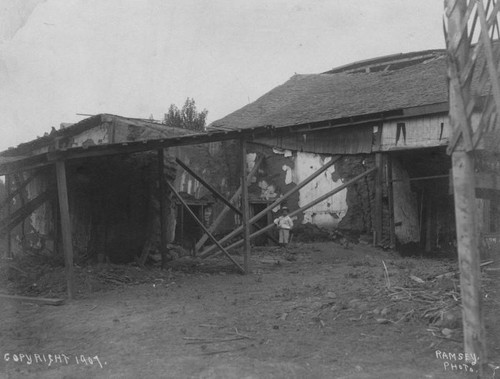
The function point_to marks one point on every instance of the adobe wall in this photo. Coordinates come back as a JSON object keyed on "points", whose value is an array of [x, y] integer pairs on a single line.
{"points": [[113, 200], [282, 170]]}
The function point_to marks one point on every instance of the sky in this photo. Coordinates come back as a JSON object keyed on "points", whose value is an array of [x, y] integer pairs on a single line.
{"points": [[134, 58]]}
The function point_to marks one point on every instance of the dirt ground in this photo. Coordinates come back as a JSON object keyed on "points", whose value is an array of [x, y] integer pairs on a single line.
{"points": [[319, 310]]}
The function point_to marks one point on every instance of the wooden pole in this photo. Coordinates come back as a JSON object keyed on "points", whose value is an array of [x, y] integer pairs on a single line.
{"points": [[200, 223], [428, 224], [62, 190], [464, 195], [277, 202], [245, 206], [161, 198], [378, 199], [390, 195], [21, 195], [468, 253], [9, 211]]}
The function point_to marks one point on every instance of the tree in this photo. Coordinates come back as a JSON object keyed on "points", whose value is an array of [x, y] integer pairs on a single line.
{"points": [[188, 117]]}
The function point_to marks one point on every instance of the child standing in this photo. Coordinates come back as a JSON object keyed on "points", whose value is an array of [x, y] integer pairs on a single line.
{"points": [[284, 224]]}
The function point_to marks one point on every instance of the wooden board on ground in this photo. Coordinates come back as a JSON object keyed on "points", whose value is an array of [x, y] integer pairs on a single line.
{"points": [[38, 300]]}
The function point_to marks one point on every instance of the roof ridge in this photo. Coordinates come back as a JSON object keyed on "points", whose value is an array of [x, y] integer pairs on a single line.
{"points": [[387, 60]]}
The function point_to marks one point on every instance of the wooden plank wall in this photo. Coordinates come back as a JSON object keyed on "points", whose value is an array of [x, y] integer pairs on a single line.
{"points": [[418, 132]]}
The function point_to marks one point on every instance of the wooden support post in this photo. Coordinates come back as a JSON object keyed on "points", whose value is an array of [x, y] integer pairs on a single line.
{"points": [[428, 224], [245, 206], [390, 196], [55, 217], [226, 209], [487, 215], [464, 195], [377, 222], [277, 202], [163, 211], [9, 211], [21, 195], [62, 190], [468, 253], [200, 223]]}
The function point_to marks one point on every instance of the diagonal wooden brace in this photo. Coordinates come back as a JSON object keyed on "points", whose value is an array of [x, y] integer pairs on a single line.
{"points": [[200, 223], [233, 199], [277, 202], [207, 186]]}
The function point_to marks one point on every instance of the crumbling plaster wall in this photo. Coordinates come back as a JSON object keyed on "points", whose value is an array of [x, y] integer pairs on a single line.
{"points": [[282, 170]]}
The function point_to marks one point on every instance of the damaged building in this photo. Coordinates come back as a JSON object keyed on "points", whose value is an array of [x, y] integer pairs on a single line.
{"points": [[360, 149], [389, 112], [114, 199]]}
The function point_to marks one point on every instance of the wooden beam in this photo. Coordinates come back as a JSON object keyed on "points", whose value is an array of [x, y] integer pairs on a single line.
{"points": [[62, 190], [9, 211], [200, 223], [305, 207], [19, 215], [163, 211], [245, 206], [37, 300], [277, 202], [233, 199], [24, 164], [208, 186], [377, 219], [146, 145], [390, 196], [428, 223], [22, 196]]}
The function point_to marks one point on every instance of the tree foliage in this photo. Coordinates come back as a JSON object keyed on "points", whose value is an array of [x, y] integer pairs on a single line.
{"points": [[188, 117]]}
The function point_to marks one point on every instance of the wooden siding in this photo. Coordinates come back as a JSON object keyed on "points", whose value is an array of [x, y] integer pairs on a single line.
{"points": [[345, 140], [417, 133]]}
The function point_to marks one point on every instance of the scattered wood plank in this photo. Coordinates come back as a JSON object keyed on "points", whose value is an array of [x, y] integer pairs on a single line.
{"points": [[224, 351], [38, 300]]}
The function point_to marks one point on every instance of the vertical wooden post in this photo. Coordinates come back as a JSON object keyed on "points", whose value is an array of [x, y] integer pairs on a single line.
{"points": [[487, 215], [464, 195], [428, 224], [161, 198], [62, 191], [55, 215], [377, 225], [245, 207], [390, 195], [468, 252], [9, 211]]}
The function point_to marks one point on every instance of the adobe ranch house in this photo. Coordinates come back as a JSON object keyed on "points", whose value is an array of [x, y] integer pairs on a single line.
{"points": [[393, 109], [383, 121]]}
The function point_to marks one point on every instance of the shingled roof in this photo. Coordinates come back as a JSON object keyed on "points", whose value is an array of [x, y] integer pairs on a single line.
{"points": [[363, 88]]}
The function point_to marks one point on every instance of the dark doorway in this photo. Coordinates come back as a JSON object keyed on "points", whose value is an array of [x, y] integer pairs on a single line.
{"points": [[256, 208], [187, 231]]}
